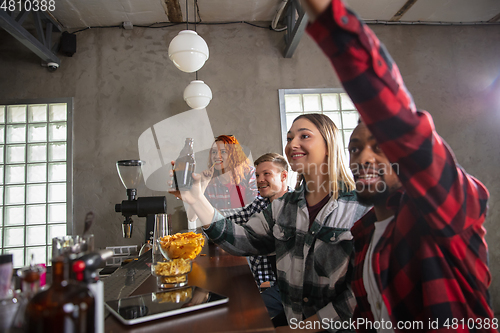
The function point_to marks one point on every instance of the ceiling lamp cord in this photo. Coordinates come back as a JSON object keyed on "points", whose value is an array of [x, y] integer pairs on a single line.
{"points": [[189, 52], [195, 4], [187, 16]]}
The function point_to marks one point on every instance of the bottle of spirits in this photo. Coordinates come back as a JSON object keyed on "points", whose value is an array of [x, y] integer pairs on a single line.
{"points": [[85, 269], [66, 306], [184, 167]]}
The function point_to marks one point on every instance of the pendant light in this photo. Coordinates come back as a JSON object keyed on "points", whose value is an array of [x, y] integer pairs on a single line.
{"points": [[197, 94], [188, 51]]}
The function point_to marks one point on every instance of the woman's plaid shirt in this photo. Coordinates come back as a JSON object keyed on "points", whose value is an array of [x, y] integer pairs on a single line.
{"points": [[313, 264], [431, 264]]}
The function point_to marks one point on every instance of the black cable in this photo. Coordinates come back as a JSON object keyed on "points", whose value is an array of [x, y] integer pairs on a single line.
{"points": [[171, 24], [166, 25], [258, 26], [195, 4], [187, 16], [105, 27]]}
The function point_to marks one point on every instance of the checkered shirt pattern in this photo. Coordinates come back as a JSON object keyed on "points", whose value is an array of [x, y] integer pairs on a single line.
{"points": [[313, 264], [432, 262], [261, 266]]}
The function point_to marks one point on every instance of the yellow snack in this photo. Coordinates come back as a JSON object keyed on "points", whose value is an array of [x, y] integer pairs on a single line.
{"points": [[173, 279], [173, 271], [176, 296], [173, 267], [183, 246]]}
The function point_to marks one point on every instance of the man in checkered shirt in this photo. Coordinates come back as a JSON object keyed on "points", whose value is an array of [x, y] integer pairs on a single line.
{"points": [[420, 254], [271, 173]]}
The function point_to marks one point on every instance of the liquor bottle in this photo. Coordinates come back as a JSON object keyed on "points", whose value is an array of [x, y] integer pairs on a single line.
{"points": [[30, 285], [85, 269], [66, 306], [184, 167]]}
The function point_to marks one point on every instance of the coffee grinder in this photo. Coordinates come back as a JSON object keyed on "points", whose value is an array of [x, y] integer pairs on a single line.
{"points": [[130, 173]]}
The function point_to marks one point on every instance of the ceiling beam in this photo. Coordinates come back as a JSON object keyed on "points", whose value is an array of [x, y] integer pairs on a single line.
{"points": [[41, 46], [406, 7], [295, 26], [174, 12], [495, 18]]}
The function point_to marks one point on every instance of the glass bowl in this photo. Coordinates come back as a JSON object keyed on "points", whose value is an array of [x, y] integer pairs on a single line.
{"points": [[172, 273]]}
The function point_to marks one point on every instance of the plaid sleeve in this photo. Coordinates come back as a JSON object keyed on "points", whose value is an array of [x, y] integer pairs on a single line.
{"points": [[251, 238], [242, 215], [448, 198], [262, 268]]}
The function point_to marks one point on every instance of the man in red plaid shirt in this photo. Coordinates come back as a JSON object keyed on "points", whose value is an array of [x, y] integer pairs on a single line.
{"points": [[421, 259]]}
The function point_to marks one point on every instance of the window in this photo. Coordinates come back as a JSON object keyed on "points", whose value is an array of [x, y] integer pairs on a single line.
{"points": [[35, 177], [334, 103]]}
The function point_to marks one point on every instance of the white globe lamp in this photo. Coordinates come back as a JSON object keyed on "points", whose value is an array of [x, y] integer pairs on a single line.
{"points": [[197, 94], [188, 51]]}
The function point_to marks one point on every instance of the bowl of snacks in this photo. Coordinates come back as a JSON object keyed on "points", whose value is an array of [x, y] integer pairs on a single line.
{"points": [[186, 245], [172, 273], [172, 258]]}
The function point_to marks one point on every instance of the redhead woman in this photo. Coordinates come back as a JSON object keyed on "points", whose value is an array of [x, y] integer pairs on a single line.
{"points": [[232, 183]]}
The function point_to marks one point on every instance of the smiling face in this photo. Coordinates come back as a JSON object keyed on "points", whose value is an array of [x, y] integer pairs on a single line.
{"points": [[306, 149], [271, 180], [374, 176], [219, 156]]}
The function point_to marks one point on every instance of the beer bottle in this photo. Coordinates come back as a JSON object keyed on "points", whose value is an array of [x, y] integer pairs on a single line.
{"points": [[184, 167], [67, 306]]}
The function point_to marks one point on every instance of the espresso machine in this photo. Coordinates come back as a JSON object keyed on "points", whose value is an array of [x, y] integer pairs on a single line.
{"points": [[130, 173]]}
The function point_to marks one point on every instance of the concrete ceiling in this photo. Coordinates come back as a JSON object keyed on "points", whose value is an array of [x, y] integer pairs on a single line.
{"points": [[77, 15], [74, 14]]}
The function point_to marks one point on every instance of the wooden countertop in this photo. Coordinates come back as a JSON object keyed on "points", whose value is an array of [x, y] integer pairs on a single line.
{"points": [[222, 273]]}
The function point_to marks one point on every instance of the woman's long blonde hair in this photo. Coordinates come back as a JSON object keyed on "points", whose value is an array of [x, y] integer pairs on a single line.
{"points": [[339, 173], [238, 162]]}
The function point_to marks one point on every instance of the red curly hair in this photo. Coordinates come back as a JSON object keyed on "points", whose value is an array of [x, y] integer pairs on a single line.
{"points": [[238, 163]]}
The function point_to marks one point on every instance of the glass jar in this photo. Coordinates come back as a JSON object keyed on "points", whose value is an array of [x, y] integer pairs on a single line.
{"points": [[170, 273]]}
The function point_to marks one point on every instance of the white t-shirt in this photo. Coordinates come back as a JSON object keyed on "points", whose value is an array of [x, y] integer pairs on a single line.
{"points": [[377, 305]]}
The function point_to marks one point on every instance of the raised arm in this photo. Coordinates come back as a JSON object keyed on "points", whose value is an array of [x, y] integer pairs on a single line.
{"points": [[242, 215], [426, 166], [252, 238]]}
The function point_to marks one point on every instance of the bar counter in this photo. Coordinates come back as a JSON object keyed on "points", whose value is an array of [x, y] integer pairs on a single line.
{"points": [[222, 273]]}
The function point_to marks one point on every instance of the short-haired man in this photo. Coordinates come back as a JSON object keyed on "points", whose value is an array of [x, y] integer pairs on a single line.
{"points": [[421, 258], [271, 171]]}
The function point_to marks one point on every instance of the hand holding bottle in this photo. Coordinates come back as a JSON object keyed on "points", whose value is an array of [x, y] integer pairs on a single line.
{"points": [[203, 179], [188, 195], [190, 186]]}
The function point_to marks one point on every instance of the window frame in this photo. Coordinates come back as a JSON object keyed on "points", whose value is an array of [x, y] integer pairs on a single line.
{"points": [[69, 101], [281, 94]]}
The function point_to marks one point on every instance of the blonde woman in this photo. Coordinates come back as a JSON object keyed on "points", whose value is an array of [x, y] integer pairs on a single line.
{"points": [[309, 229]]}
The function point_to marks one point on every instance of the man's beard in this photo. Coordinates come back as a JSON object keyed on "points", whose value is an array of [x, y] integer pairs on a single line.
{"points": [[374, 199]]}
